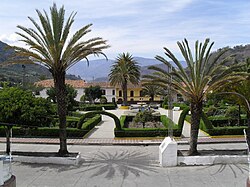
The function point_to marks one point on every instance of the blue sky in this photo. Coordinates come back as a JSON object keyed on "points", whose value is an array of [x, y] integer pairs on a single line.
{"points": [[142, 27]]}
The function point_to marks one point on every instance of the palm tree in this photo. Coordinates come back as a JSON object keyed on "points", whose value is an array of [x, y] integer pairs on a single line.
{"points": [[240, 93], [151, 90], [50, 45], [205, 73], [124, 70]]}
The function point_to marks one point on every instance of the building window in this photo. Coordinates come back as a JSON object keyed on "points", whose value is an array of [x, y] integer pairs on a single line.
{"points": [[141, 93], [131, 93], [120, 93], [119, 101], [113, 92]]}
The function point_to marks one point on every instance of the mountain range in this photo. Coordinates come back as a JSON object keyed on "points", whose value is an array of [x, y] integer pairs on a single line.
{"points": [[96, 70]]}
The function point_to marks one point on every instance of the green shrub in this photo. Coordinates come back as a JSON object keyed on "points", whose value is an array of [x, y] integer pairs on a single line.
{"points": [[145, 116], [109, 106], [53, 131], [182, 117], [75, 114], [181, 105], [93, 107], [211, 110], [90, 107], [43, 132], [207, 126], [92, 122], [218, 131], [165, 106], [103, 100], [232, 112], [72, 121], [22, 107], [165, 102], [83, 120], [145, 132]]}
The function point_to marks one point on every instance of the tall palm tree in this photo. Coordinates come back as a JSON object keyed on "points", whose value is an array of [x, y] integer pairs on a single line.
{"points": [[151, 90], [204, 73], [124, 70], [50, 45]]}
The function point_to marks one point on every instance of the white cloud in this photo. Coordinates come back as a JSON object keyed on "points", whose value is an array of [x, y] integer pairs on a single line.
{"points": [[143, 27], [9, 38]]}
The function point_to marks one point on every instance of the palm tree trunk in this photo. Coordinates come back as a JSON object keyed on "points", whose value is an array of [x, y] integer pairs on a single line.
{"points": [[60, 87], [196, 111], [152, 98], [125, 94], [248, 130], [7, 131]]}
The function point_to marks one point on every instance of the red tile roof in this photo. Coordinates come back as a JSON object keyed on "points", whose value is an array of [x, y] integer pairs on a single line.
{"points": [[75, 83]]}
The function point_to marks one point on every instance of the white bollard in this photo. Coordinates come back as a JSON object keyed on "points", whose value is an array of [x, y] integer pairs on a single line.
{"points": [[168, 152]]}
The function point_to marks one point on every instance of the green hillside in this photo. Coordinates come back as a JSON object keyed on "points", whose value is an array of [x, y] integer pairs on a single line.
{"points": [[17, 73]]}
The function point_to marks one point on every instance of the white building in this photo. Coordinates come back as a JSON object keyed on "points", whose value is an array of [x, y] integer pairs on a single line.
{"points": [[79, 86]]}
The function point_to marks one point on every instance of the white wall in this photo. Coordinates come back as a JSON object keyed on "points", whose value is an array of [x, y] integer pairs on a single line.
{"points": [[80, 91]]}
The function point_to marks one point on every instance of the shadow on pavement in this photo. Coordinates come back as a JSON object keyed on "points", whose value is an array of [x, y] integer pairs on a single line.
{"points": [[217, 169], [109, 164], [124, 163]]}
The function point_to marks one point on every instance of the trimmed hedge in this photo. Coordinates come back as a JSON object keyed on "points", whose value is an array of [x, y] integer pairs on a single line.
{"points": [[72, 121], [218, 131], [90, 107], [219, 121], [98, 107], [145, 132], [181, 120], [53, 131], [207, 126], [181, 105]]}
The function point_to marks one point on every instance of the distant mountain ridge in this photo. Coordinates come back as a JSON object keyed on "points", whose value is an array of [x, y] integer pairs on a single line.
{"points": [[97, 70], [101, 68], [17, 73]]}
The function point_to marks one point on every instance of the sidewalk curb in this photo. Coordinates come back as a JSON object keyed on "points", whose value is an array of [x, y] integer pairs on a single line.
{"points": [[109, 142]]}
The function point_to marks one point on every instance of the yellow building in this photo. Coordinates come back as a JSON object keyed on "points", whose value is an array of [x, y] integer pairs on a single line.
{"points": [[134, 94]]}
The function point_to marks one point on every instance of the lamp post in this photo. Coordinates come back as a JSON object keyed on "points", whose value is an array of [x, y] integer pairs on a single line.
{"points": [[23, 81], [170, 104]]}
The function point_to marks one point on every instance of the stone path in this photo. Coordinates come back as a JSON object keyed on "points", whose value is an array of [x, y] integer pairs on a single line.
{"points": [[106, 128]]}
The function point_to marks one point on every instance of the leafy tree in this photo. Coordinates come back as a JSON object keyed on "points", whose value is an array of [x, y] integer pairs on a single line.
{"points": [[50, 45], [103, 100], [205, 73], [144, 116], [22, 107], [124, 70], [71, 94], [92, 93], [151, 90]]}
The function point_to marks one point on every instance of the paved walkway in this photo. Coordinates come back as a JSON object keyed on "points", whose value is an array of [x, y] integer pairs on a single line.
{"points": [[123, 166], [106, 128]]}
